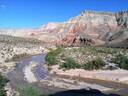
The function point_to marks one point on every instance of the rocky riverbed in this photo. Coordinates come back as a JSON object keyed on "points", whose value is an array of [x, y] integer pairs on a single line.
{"points": [[51, 83], [25, 73]]}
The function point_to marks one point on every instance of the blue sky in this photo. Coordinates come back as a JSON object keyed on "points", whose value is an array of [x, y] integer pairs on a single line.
{"points": [[34, 13]]}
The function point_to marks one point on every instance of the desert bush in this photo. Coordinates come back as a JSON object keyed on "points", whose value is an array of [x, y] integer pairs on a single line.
{"points": [[69, 64], [96, 64], [51, 57], [15, 40], [95, 50], [3, 82], [121, 60]]}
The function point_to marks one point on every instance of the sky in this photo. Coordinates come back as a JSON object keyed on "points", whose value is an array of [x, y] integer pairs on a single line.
{"points": [[35, 13]]}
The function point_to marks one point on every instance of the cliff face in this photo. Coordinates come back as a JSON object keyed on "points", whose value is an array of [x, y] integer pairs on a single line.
{"points": [[94, 24], [98, 26], [88, 28], [122, 19], [120, 38]]}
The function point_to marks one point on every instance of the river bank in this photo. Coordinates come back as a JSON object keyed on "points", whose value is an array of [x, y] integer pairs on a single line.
{"points": [[50, 84], [119, 75], [32, 70]]}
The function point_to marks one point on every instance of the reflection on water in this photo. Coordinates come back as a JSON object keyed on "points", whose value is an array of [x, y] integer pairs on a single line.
{"points": [[17, 76]]}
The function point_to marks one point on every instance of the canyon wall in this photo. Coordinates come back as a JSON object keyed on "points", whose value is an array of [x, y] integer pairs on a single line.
{"points": [[88, 28]]}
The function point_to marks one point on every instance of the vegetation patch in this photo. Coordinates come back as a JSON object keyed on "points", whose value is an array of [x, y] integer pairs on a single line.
{"points": [[3, 82], [96, 64], [88, 58], [29, 90], [69, 64], [51, 57], [121, 60], [15, 40]]}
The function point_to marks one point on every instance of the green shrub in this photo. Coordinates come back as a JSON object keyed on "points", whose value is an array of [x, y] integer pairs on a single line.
{"points": [[3, 82], [121, 60], [29, 90], [69, 64], [94, 64], [95, 50], [51, 57]]}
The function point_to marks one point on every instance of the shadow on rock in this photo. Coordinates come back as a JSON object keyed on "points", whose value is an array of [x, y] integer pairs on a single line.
{"points": [[82, 92]]}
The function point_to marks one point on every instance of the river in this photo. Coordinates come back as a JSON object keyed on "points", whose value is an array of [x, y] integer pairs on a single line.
{"points": [[17, 76]]}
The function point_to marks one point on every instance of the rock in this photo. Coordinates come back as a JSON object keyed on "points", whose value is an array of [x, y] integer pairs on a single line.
{"points": [[10, 91], [122, 19], [119, 39], [111, 66]]}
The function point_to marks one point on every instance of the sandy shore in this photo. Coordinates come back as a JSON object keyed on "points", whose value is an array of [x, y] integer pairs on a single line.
{"points": [[70, 84], [114, 75], [28, 74]]}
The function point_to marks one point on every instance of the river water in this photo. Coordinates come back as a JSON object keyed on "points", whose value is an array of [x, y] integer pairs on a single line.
{"points": [[17, 79], [16, 76]]}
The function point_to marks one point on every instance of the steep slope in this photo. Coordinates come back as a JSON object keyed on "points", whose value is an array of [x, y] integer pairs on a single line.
{"points": [[96, 25], [93, 28], [119, 39], [122, 19]]}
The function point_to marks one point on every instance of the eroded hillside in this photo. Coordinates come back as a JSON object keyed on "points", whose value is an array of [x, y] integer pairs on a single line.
{"points": [[88, 28]]}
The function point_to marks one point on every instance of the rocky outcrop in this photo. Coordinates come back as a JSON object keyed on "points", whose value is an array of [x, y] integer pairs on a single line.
{"points": [[122, 19], [119, 39]]}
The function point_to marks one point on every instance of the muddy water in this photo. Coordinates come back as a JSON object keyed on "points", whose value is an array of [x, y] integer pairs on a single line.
{"points": [[16, 76], [17, 79]]}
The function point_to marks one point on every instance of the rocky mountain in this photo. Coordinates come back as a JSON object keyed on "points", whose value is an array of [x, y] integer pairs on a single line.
{"points": [[88, 28], [122, 19]]}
